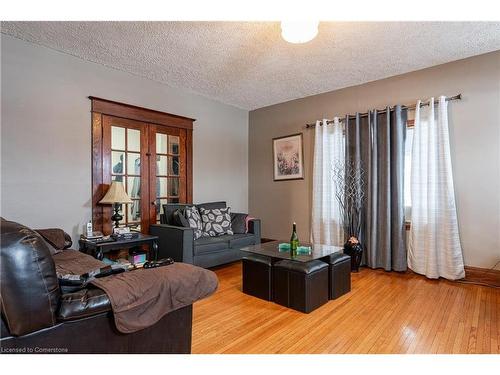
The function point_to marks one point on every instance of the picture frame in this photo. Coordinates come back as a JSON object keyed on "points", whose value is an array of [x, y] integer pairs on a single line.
{"points": [[288, 157]]}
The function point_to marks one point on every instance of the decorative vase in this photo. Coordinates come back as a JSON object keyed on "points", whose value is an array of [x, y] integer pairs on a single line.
{"points": [[354, 249]]}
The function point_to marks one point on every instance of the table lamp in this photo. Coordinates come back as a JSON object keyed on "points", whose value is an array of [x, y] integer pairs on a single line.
{"points": [[116, 195]]}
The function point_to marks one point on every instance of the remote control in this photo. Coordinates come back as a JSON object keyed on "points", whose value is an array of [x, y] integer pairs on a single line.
{"points": [[158, 263]]}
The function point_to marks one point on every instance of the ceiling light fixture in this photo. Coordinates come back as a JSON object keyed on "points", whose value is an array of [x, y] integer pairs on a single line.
{"points": [[299, 31]]}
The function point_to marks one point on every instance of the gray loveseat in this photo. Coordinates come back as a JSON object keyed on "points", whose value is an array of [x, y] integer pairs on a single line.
{"points": [[178, 242]]}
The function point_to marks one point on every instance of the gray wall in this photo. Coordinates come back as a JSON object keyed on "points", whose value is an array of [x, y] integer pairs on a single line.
{"points": [[475, 148], [46, 145]]}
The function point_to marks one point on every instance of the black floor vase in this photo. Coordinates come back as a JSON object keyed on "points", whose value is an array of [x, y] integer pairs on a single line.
{"points": [[355, 251]]}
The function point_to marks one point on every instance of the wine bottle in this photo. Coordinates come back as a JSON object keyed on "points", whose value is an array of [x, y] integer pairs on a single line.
{"points": [[294, 241]]}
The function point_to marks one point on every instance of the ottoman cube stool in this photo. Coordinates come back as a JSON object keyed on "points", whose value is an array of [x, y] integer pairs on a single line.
{"points": [[257, 276], [339, 274], [300, 286]]}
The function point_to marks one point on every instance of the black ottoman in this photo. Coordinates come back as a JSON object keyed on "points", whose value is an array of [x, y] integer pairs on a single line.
{"points": [[300, 286], [257, 276], [339, 274]]}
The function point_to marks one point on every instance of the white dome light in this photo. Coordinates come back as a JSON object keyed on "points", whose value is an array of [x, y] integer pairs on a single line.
{"points": [[299, 31]]}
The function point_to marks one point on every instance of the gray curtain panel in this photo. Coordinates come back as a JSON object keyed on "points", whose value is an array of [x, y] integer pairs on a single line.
{"points": [[376, 144]]}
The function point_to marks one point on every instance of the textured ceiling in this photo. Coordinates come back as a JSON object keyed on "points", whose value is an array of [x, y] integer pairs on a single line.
{"points": [[249, 65]]}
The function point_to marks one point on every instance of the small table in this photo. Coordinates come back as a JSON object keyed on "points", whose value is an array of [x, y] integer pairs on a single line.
{"points": [[270, 249], [270, 273], [98, 249]]}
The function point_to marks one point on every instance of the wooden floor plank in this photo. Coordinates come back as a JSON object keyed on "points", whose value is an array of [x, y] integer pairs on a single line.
{"points": [[426, 337], [468, 314], [385, 312]]}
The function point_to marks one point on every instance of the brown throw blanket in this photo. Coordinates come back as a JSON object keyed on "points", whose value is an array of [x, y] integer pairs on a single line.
{"points": [[141, 297]]}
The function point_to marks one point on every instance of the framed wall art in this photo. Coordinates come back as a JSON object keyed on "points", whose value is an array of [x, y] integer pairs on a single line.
{"points": [[288, 157]]}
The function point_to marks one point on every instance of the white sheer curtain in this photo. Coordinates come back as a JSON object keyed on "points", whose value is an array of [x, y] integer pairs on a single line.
{"points": [[329, 150], [434, 245]]}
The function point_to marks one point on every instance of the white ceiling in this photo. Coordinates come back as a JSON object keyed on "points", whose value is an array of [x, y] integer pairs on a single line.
{"points": [[249, 65]]}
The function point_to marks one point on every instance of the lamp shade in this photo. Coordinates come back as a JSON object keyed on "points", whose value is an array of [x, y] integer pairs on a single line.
{"points": [[116, 194]]}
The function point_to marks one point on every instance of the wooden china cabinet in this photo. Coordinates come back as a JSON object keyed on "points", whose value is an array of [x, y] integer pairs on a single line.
{"points": [[149, 151]]}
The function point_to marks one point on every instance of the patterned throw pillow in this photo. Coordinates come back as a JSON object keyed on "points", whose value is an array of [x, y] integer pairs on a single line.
{"points": [[194, 219], [216, 221]]}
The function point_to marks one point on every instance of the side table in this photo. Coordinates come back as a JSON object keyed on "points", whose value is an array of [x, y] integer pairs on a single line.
{"points": [[98, 249]]}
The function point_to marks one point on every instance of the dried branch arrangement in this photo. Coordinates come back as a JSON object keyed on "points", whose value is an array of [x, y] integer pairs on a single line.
{"points": [[349, 181]]}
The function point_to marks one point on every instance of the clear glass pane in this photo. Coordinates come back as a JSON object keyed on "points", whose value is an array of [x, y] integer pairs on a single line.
{"points": [[117, 138], [173, 165], [161, 186], [161, 143], [159, 205], [161, 165], [133, 163], [118, 162], [135, 226], [134, 187], [117, 178], [122, 212], [123, 221], [173, 187], [173, 144], [133, 140], [134, 211]]}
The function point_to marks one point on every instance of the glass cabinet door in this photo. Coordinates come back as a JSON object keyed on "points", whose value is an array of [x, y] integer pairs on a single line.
{"points": [[150, 161], [169, 169], [127, 142], [148, 151]]}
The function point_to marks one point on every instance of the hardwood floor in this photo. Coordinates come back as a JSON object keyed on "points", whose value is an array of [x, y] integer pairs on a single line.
{"points": [[385, 312]]}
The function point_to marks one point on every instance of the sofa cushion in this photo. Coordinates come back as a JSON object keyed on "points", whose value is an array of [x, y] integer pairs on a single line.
{"points": [[206, 245], [239, 222], [240, 240], [194, 219], [216, 221], [55, 238], [179, 218], [211, 205], [169, 209], [83, 303]]}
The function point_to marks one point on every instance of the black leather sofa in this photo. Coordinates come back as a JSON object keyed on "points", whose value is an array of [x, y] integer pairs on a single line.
{"points": [[38, 318], [178, 242]]}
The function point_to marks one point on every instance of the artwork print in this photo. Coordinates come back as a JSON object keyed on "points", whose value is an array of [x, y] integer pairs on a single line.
{"points": [[288, 158]]}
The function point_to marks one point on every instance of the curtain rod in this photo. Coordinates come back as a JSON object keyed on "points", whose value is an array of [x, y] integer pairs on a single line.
{"points": [[423, 104]]}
